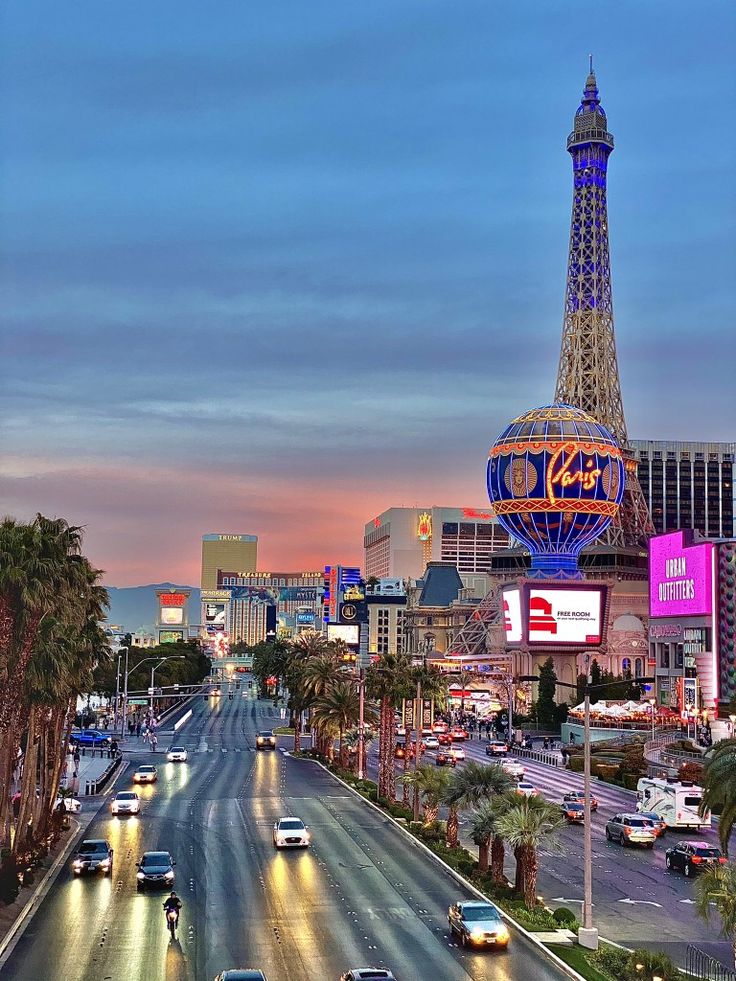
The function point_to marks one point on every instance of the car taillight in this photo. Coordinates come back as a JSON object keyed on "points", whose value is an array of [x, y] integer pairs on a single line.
{"points": [[627, 831], [696, 859], [722, 860]]}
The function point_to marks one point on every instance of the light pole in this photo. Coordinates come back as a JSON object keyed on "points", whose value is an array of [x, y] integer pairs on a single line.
{"points": [[361, 723], [125, 692], [125, 687], [117, 691], [587, 934], [732, 722], [652, 703], [154, 669]]}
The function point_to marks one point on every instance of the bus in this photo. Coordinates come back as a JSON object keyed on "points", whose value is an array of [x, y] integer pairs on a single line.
{"points": [[676, 802]]}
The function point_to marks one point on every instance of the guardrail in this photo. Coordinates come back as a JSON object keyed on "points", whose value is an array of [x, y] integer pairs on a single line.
{"points": [[96, 786], [706, 968], [538, 756]]}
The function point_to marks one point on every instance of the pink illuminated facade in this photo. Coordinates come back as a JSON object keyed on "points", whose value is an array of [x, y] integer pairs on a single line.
{"points": [[683, 639]]}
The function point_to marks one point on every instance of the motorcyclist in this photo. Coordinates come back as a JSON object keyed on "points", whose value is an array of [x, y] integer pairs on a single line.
{"points": [[173, 902]]}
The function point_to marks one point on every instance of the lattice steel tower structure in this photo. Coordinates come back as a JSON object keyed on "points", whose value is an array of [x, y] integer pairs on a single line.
{"points": [[588, 371]]}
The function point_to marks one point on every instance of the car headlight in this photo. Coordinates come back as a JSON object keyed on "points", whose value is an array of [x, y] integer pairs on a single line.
{"points": [[307, 836], [502, 933], [170, 874], [77, 863], [476, 934], [105, 863], [140, 875]]}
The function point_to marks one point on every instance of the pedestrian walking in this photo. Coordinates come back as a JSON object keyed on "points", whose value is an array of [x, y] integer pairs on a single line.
{"points": [[138, 730], [76, 759]]}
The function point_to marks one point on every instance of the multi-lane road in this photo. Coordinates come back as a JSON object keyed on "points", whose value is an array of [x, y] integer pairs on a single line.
{"points": [[361, 895], [637, 902]]}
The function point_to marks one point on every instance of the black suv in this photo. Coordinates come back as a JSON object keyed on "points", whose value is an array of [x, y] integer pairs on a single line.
{"points": [[93, 855], [692, 857]]}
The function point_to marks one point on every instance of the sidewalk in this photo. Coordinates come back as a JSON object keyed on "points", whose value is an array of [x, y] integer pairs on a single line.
{"points": [[90, 769]]}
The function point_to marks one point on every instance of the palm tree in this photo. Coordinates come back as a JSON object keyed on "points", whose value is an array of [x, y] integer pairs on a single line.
{"points": [[483, 828], [313, 677], [432, 784], [338, 709], [475, 783], [716, 887], [387, 682], [526, 825], [309, 643], [720, 788]]}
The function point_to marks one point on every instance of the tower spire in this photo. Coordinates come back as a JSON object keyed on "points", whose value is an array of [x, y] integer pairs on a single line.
{"points": [[588, 373]]}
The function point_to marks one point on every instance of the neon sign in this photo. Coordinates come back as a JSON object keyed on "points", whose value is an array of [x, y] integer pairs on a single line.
{"points": [[587, 478], [424, 527], [172, 599]]}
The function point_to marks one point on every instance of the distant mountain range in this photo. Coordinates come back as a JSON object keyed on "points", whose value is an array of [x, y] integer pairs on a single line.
{"points": [[134, 607]]}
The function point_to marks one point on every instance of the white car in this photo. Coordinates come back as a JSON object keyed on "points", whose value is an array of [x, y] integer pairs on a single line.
{"points": [[457, 753], [291, 832], [126, 802], [71, 804], [177, 754], [145, 774], [431, 742], [527, 789], [513, 768]]}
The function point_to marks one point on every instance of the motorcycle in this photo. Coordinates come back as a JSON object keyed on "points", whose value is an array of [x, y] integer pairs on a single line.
{"points": [[172, 920]]}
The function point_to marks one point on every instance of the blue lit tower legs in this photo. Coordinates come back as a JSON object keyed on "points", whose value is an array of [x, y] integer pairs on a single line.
{"points": [[588, 370]]}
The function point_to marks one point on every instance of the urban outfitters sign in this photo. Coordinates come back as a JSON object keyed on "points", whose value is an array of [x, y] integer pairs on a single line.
{"points": [[681, 574]]}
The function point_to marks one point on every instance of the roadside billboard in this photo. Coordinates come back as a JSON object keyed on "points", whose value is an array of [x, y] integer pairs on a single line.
{"points": [[681, 574]]}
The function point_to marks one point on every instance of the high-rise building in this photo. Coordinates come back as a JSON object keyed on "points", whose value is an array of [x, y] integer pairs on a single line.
{"points": [[227, 552], [401, 541], [688, 485], [588, 370]]}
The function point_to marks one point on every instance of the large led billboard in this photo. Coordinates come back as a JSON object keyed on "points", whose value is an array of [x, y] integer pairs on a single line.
{"points": [[214, 614], [512, 614], [170, 636], [681, 576], [171, 615], [564, 615], [347, 632]]}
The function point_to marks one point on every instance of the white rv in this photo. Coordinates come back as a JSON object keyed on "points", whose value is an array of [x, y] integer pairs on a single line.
{"points": [[677, 803]]}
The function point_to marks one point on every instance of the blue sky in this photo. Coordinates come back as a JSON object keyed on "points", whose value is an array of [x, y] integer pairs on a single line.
{"points": [[273, 268]]}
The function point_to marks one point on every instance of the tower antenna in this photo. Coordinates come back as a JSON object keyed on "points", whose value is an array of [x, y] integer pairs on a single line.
{"points": [[590, 58]]}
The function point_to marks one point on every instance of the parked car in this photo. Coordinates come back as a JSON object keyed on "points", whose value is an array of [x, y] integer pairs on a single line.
{"points": [[93, 855], [496, 747], [89, 737], [444, 758], [692, 857], [573, 811], [631, 829], [478, 924], [579, 795]]}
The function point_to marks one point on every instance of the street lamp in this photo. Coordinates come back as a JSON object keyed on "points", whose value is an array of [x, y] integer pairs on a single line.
{"points": [[154, 669], [125, 686], [652, 702], [587, 934], [117, 686]]}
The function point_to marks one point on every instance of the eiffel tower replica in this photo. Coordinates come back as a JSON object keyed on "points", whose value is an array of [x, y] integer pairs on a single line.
{"points": [[588, 370], [587, 376]]}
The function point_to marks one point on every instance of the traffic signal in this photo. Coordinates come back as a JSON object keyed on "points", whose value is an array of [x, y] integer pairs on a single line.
{"points": [[349, 657]]}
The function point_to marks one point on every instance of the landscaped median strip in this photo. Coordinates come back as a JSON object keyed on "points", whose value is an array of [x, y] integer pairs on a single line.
{"points": [[549, 954]]}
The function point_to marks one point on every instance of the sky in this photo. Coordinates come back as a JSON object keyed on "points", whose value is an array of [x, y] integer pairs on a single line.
{"points": [[273, 268]]}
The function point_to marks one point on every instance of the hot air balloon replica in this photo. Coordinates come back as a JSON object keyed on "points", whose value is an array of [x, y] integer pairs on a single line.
{"points": [[555, 479]]}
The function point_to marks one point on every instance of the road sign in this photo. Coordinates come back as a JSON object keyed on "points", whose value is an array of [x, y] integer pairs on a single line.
{"points": [[137, 701]]}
